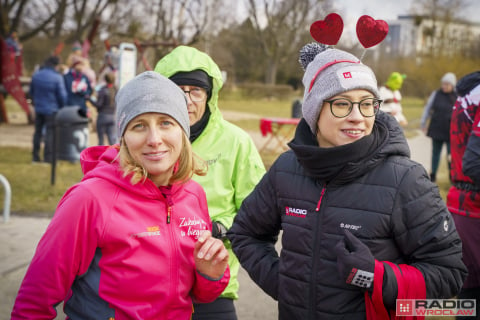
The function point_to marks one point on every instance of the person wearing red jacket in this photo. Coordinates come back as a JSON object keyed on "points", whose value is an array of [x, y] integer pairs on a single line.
{"points": [[133, 239], [463, 199]]}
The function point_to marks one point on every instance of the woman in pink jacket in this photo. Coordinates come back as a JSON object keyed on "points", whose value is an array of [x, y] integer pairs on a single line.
{"points": [[132, 240]]}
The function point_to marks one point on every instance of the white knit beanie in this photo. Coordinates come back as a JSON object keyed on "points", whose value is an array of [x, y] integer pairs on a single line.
{"points": [[151, 92], [329, 72]]}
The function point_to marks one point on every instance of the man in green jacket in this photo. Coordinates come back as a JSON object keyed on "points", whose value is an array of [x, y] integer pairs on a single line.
{"points": [[234, 164]]}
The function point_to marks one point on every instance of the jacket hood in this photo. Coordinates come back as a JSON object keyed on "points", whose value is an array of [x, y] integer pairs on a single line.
{"points": [[345, 163], [186, 59], [102, 162], [467, 83]]}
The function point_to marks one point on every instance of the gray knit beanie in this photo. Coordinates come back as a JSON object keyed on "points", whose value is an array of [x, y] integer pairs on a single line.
{"points": [[329, 72], [450, 77], [151, 92]]}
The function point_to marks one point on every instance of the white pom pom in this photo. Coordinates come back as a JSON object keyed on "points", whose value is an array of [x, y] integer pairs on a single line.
{"points": [[309, 52]]}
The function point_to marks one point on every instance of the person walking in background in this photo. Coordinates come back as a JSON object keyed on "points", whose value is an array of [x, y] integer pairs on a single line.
{"points": [[132, 240], [463, 198], [438, 112], [105, 104], [362, 224], [392, 98], [78, 86], [48, 93], [235, 166]]}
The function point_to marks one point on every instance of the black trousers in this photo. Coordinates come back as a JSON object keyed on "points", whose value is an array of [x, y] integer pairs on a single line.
{"points": [[43, 124], [220, 309]]}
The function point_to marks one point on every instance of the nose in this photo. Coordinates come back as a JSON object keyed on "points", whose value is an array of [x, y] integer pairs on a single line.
{"points": [[355, 115], [154, 137], [189, 99]]}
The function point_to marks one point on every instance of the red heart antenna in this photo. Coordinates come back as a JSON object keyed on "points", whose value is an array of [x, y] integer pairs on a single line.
{"points": [[327, 31], [371, 32]]}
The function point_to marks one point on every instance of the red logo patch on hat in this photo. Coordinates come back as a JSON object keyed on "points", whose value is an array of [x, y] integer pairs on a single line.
{"points": [[347, 75]]}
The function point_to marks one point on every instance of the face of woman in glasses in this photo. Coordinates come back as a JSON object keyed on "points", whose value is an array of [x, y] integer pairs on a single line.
{"points": [[334, 131], [197, 102]]}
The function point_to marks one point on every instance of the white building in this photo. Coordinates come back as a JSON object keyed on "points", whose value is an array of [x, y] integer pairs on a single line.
{"points": [[418, 36]]}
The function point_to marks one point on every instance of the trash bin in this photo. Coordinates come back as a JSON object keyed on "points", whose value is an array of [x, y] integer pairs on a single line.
{"points": [[71, 133], [297, 108]]}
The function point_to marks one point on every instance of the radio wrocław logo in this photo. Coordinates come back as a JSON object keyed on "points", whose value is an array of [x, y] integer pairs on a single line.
{"points": [[436, 307]]}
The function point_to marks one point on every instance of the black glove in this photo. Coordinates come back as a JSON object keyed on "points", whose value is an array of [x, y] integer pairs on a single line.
{"points": [[355, 262], [219, 231]]}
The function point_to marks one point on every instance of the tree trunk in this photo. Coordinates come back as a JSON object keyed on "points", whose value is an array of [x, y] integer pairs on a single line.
{"points": [[271, 74]]}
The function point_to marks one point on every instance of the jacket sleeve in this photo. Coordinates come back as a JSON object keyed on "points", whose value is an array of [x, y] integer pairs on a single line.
{"points": [[206, 289], [254, 233], [61, 92], [470, 163], [100, 99], [248, 171], [425, 233], [31, 89], [64, 252], [426, 110]]}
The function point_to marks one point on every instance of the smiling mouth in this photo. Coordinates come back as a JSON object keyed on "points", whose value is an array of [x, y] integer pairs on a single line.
{"points": [[155, 154], [353, 132]]}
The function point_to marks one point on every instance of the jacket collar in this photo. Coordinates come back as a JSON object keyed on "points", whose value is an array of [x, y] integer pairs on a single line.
{"points": [[345, 163]]}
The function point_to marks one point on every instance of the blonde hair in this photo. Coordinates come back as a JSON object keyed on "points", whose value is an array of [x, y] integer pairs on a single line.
{"points": [[187, 165]]}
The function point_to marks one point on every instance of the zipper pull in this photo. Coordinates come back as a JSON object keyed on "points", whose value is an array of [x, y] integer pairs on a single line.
{"points": [[169, 214], [321, 197]]}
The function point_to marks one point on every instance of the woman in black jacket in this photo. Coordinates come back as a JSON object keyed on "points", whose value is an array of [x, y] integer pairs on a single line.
{"points": [[362, 224], [439, 111]]}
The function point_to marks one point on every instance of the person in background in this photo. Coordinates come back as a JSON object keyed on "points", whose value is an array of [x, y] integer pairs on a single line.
{"points": [[463, 198], [13, 44], [234, 163], [110, 64], [438, 112], [392, 98], [132, 240], [48, 93], [105, 104], [78, 86], [362, 224]]}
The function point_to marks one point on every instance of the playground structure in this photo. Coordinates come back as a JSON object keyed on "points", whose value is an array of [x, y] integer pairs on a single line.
{"points": [[12, 82]]}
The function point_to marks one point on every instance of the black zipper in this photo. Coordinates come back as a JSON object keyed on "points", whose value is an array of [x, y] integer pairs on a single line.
{"points": [[313, 283]]}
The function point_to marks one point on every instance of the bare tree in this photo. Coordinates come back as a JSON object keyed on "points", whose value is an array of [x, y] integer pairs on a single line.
{"points": [[440, 15], [279, 25]]}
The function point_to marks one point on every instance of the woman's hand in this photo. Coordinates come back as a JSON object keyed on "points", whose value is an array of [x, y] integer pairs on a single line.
{"points": [[211, 256]]}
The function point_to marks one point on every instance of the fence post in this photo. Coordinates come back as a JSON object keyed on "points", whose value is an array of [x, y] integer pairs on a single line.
{"points": [[7, 200]]}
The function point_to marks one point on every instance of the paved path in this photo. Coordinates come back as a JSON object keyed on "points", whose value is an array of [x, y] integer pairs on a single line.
{"points": [[18, 239]]}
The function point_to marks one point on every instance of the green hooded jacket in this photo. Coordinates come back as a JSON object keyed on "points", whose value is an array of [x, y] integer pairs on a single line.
{"points": [[234, 164]]}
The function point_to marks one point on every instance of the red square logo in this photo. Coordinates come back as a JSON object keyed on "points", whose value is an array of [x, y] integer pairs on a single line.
{"points": [[347, 75], [404, 307]]}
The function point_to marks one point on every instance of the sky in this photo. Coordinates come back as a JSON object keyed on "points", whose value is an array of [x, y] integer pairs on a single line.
{"points": [[390, 9]]}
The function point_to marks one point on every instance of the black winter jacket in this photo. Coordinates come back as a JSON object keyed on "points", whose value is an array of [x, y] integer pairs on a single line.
{"points": [[379, 194], [442, 106]]}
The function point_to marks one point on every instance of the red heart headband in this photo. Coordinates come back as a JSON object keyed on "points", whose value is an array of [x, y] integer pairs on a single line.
{"points": [[370, 32]]}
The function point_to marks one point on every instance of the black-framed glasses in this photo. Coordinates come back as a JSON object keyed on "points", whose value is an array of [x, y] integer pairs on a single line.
{"points": [[196, 94], [342, 107]]}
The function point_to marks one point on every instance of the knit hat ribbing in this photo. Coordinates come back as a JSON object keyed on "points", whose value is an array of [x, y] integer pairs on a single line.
{"points": [[330, 73], [151, 92]]}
